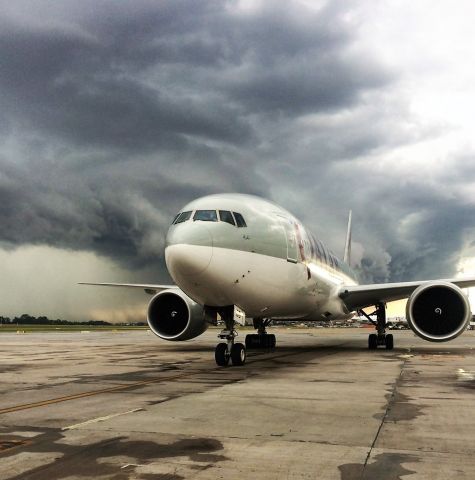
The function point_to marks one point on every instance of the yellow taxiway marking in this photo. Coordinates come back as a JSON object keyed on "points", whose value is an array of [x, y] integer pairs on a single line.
{"points": [[51, 401], [92, 393]]}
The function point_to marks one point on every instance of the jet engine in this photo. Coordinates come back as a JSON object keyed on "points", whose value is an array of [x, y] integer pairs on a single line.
{"points": [[173, 316], [438, 311]]}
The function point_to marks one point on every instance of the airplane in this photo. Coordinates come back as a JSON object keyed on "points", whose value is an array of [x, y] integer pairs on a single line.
{"points": [[237, 256]]}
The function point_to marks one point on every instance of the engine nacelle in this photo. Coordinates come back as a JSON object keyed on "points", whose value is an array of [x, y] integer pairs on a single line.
{"points": [[438, 311], [174, 316]]}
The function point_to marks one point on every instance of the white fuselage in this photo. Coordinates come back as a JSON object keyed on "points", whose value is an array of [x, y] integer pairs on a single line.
{"points": [[272, 267]]}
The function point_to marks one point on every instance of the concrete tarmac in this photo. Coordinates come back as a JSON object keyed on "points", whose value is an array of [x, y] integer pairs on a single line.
{"points": [[321, 406]]}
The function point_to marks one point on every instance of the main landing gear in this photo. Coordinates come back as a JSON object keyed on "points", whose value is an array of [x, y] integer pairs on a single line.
{"points": [[225, 351], [261, 339], [381, 338]]}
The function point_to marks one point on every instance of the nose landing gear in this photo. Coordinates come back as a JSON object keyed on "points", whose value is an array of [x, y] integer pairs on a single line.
{"points": [[236, 352], [229, 350]]}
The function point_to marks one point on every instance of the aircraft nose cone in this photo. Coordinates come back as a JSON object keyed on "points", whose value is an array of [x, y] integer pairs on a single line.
{"points": [[189, 250]]}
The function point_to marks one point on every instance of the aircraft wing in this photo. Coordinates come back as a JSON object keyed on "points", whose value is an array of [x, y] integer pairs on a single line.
{"points": [[148, 288], [360, 296]]}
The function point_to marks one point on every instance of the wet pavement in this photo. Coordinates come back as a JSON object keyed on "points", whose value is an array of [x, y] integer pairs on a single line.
{"points": [[126, 405]]}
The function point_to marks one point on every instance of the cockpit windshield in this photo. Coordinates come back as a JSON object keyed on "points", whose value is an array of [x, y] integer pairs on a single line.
{"points": [[233, 218], [182, 217], [239, 220], [227, 216], [205, 216]]}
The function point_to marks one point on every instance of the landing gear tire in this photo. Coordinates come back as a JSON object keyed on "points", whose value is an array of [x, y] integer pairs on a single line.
{"points": [[238, 354], [252, 341], [381, 338], [221, 354], [262, 340]]}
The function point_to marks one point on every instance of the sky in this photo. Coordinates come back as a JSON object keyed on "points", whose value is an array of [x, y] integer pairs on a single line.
{"points": [[113, 115]]}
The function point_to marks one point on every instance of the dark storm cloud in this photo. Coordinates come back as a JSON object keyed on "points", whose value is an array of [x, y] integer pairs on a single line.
{"points": [[169, 70], [69, 87], [411, 226], [110, 212], [116, 114], [429, 241]]}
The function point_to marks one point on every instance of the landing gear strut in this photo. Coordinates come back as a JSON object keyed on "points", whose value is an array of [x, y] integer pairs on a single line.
{"points": [[380, 338], [262, 339], [229, 350]]}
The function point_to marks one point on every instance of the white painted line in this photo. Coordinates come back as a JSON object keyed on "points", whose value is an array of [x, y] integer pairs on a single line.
{"points": [[101, 419], [25, 434], [131, 465], [464, 375]]}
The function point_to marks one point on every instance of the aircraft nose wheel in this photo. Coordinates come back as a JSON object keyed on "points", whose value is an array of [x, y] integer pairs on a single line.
{"points": [[229, 350], [238, 354], [221, 354]]}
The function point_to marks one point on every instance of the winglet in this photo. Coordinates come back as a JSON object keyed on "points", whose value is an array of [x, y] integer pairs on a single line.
{"points": [[347, 254]]}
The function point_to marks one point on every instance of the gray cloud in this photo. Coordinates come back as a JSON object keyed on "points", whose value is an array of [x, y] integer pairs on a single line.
{"points": [[114, 115]]}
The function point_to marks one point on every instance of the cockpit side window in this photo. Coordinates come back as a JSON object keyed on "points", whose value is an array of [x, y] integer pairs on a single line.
{"points": [[206, 215], [226, 216], [182, 217], [239, 220], [174, 220]]}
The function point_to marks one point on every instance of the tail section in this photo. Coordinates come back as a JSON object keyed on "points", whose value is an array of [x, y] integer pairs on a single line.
{"points": [[347, 254]]}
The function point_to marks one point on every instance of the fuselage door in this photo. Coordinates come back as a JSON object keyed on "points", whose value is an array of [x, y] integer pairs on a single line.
{"points": [[290, 236]]}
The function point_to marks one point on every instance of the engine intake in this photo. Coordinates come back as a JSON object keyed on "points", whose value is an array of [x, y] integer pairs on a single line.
{"points": [[438, 312], [174, 316]]}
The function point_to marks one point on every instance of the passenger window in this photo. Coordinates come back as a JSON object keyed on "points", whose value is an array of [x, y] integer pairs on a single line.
{"points": [[206, 216], [183, 217], [226, 216], [239, 220]]}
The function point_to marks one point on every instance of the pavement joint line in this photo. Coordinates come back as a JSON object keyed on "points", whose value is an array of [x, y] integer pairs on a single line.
{"points": [[388, 406]]}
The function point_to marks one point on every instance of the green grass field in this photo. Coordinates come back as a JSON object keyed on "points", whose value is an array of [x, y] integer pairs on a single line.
{"points": [[14, 328], [8, 328]]}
